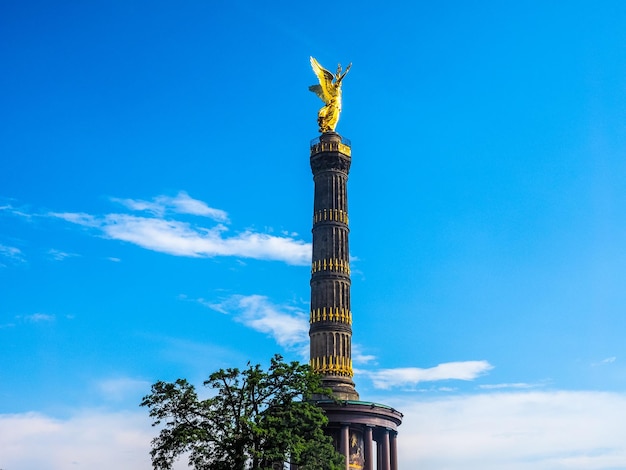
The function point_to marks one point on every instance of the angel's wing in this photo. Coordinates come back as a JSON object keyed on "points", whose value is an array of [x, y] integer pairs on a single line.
{"points": [[325, 90], [317, 89]]}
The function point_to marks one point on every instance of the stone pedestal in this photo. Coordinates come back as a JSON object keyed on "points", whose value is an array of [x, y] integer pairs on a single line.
{"points": [[370, 430]]}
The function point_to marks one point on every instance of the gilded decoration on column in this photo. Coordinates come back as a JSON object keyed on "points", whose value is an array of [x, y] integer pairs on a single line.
{"points": [[332, 365], [336, 314], [330, 264], [343, 147], [334, 215], [329, 91]]}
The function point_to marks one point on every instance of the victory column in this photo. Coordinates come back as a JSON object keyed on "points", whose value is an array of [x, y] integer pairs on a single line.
{"points": [[365, 432]]}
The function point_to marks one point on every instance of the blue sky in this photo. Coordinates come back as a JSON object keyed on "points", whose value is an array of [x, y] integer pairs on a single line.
{"points": [[156, 201]]}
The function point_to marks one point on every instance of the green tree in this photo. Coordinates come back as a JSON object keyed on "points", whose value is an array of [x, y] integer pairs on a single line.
{"points": [[256, 419]]}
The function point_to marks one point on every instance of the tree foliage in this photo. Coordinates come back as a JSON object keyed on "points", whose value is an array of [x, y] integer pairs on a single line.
{"points": [[256, 419]]}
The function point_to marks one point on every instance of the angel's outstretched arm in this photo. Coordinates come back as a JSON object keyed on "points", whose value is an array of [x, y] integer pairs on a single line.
{"points": [[345, 73]]}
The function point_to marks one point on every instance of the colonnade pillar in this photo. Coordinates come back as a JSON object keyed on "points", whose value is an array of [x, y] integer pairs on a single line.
{"points": [[394, 450], [368, 450], [385, 457], [345, 444]]}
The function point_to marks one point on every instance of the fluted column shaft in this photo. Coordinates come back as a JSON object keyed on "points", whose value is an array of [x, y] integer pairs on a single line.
{"points": [[331, 316]]}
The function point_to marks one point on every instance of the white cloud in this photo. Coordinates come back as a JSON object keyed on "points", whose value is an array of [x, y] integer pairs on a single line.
{"points": [[91, 439], [182, 203], [411, 376], [182, 239], [515, 431], [556, 430], [288, 325]]}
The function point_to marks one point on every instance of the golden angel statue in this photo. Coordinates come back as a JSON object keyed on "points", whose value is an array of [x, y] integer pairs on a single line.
{"points": [[330, 93]]}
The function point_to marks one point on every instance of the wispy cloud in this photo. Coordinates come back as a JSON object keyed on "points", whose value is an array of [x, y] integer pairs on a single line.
{"points": [[38, 318], [79, 218], [8, 208], [182, 203], [407, 377], [11, 254], [58, 255], [287, 325], [608, 360], [516, 385], [359, 357], [181, 238]]}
